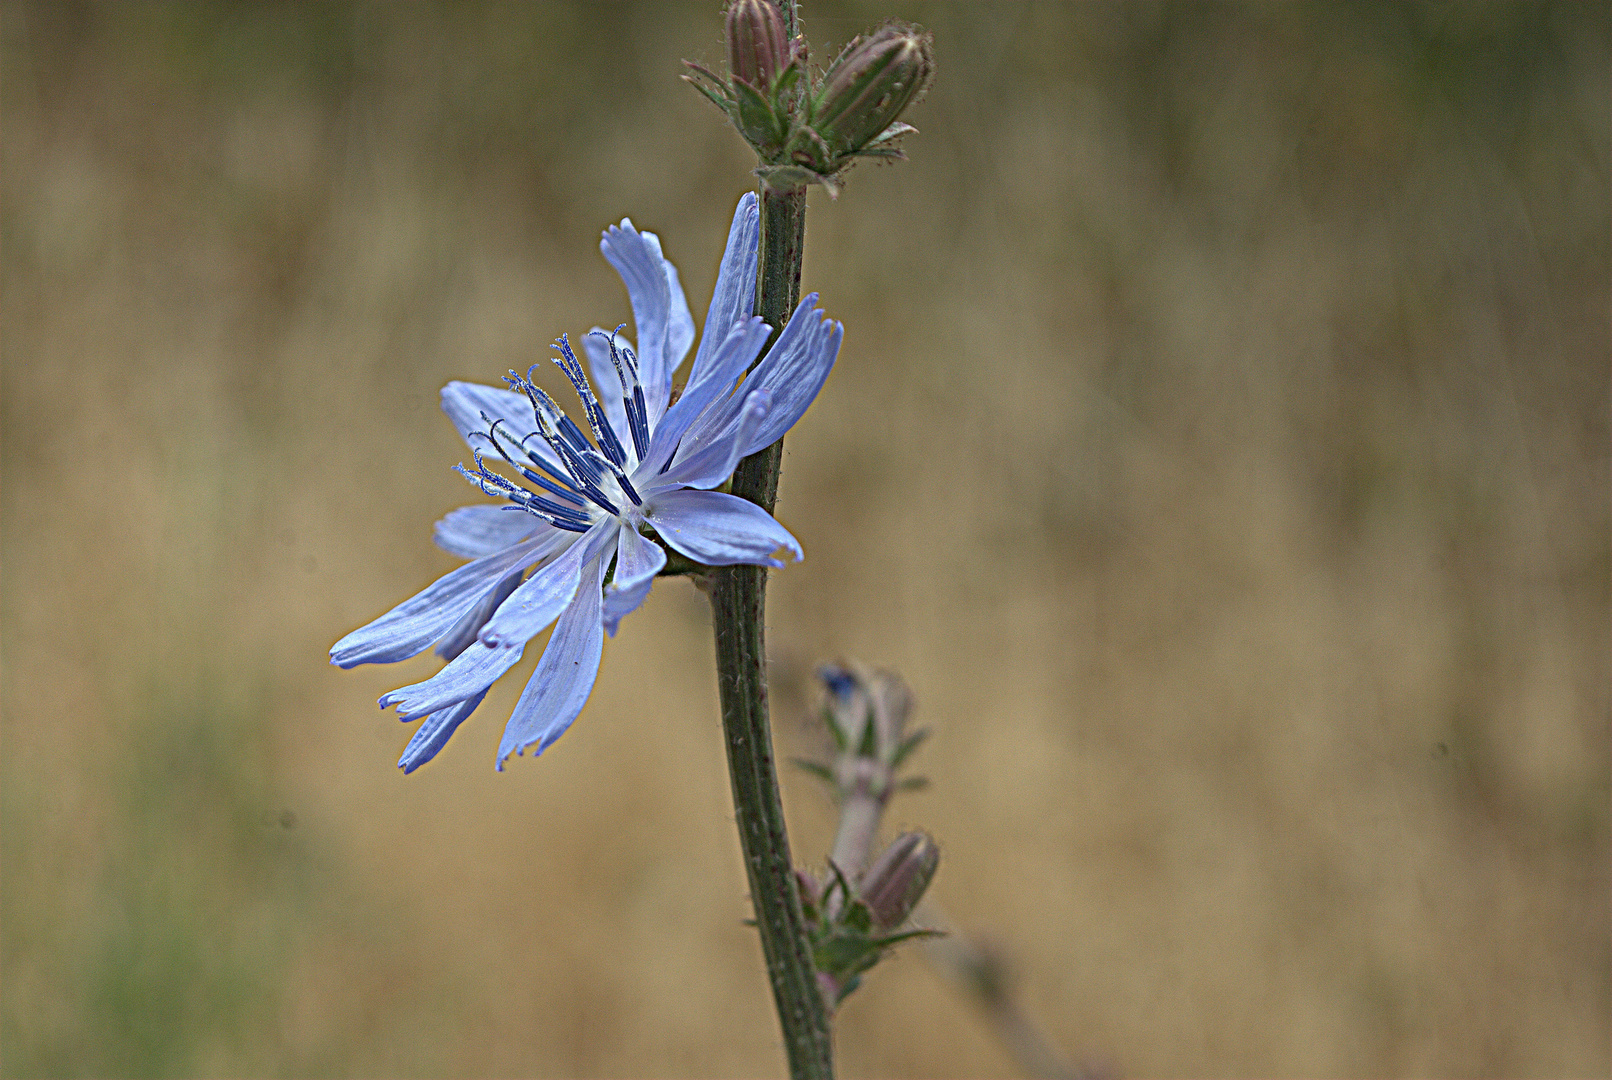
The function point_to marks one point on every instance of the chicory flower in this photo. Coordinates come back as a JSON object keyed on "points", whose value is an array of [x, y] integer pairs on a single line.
{"points": [[573, 543]]}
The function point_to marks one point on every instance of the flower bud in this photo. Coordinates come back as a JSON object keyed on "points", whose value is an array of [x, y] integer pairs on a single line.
{"points": [[896, 881], [868, 712], [868, 87], [758, 48], [848, 707]]}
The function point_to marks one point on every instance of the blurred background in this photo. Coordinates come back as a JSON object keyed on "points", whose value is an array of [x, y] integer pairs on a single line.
{"points": [[1219, 448]]}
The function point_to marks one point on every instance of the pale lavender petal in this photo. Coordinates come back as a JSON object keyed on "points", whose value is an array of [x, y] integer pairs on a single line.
{"points": [[794, 376], [545, 594], [434, 732], [465, 402], [469, 673], [621, 601], [718, 529], [792, 372], [639, 263], [565, 675], [735, 295], [638, 560], [713, 462], [458, 639], [737, 352], [679, 320], [414, 624], [473, 531]]}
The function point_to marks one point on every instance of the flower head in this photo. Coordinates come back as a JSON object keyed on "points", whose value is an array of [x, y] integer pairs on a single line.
{"points": [[573, 542]]}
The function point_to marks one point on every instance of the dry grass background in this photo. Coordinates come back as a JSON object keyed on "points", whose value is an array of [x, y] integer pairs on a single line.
{"points": [[1219, 448]]}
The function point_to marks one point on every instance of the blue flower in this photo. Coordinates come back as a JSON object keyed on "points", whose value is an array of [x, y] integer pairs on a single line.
{"points": [[575, 509]]}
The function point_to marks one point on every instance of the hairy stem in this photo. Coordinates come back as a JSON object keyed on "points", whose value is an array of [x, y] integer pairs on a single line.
{"points": [[738, 605]]}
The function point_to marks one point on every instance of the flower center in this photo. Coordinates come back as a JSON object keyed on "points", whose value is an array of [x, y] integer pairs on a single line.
{"points": [[586, 480]]}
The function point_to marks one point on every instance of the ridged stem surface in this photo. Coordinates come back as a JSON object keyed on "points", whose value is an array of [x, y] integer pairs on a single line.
{"points": [[738, 605]]}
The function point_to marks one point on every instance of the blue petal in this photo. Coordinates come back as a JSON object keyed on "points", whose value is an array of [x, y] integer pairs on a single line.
{"points": [[718, 529], [679, 321], [413, 625], [468, 674], [465, 402], [545, 594], [714, 462], [792, 372], [638, 261], [735, 295], [434, 732], [473, 531], [621, 601], [565, 675], [638, 560], [738, 350], [795, 381], [464, 631]]}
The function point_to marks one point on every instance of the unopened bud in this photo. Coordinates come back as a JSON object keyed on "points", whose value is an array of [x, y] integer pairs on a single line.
{"points": [[758, 48], [849, 709], [868, 711], [868, 87], [896, 881]]}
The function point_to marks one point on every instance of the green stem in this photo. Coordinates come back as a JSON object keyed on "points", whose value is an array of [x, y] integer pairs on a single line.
{"points": [[738, 606]]}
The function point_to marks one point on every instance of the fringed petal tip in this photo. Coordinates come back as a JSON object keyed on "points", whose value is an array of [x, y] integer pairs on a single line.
{"points": [[537, 746]]}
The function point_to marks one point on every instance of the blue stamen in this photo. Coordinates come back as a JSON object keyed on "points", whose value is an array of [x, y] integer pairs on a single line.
{"points": [[500, 487], [562, 434], [579, 445], [555, 510], [544, 408], [632, 393], [627, 490], [557, 486], [582, 471], [639, 419], [565, 524], [603, 433], [591, 490], [621, 477], [579, 457], [585, 473]]}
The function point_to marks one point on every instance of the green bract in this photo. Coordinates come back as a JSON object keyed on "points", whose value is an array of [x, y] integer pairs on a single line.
{"points": [[848, 934]]}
